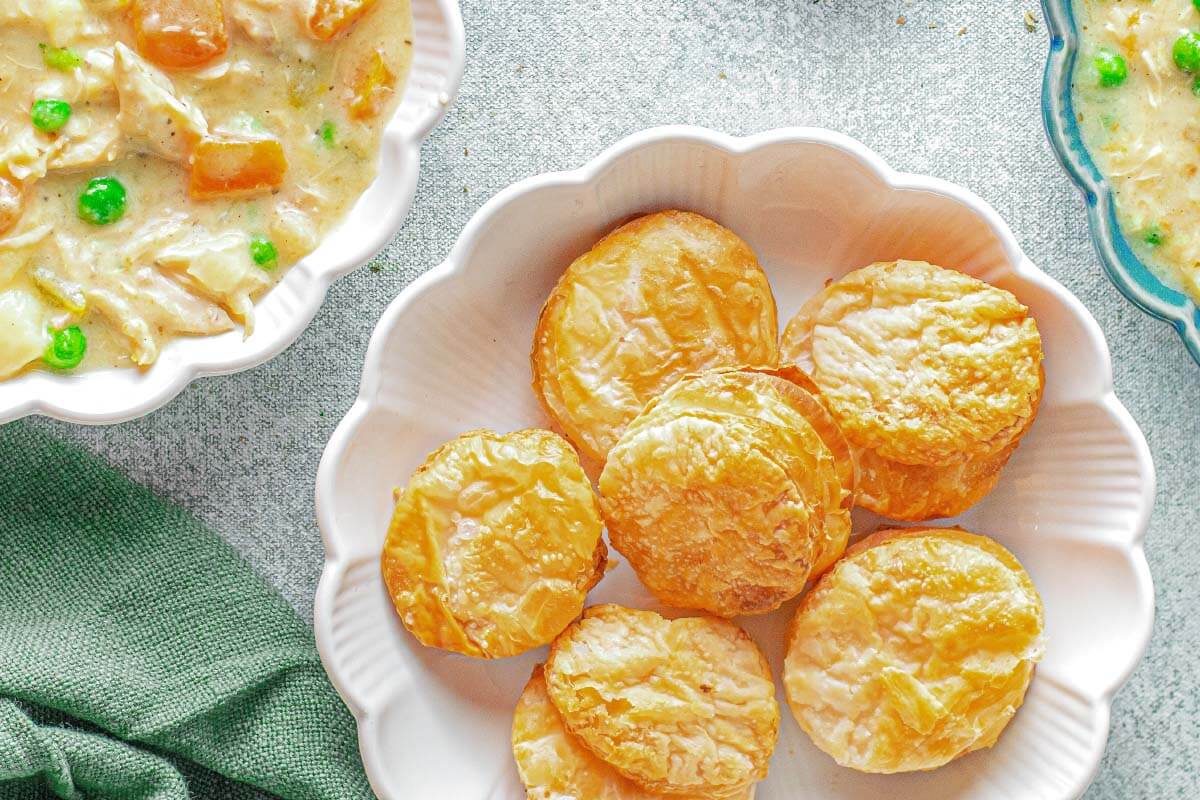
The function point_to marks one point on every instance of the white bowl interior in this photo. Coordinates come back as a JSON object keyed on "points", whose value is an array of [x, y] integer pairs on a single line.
{"points": [[453, 355]]}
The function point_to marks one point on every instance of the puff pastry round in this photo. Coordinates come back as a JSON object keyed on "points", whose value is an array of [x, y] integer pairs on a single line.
{"points": [[664, 295], [494, 543], [805, 398], [915, 649], [719, 494], [916, 492], [554, 765], [677, 706], [922, 367]]}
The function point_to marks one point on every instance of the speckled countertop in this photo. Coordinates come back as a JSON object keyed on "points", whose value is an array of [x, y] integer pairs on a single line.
{"points": [[951, 92]]}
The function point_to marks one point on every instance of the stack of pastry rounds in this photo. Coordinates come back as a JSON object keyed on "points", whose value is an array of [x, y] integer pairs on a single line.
{"points": [[933, 375], [729, 491], [728, 481], [494, 543], [662, 296], [915, 649], [631, 705]]}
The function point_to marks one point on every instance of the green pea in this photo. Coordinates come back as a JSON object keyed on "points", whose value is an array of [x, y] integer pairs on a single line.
{"points": [[50, 115], [1196, 87], [1154, 236], [102, 201], [1186, 52], [66, 349], [263, 251], [328, 133], [60, 58], [1111, 68]]}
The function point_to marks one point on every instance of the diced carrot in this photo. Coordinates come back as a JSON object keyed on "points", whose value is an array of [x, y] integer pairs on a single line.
{"points": [[373, 82], [179, 34], [225, 167], [331, 18], [12, 203]]}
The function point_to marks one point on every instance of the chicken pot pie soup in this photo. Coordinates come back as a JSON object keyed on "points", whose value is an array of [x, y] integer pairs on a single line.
{"points": [[163, 162], [1136, 94]]}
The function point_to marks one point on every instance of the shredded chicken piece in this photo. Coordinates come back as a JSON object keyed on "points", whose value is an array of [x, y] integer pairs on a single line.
{"points": [[220, 268], [152, 116], [27, 239]]}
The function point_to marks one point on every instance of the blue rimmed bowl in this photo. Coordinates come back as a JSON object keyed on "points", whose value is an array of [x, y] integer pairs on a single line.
{"points": [[1135, 280]]}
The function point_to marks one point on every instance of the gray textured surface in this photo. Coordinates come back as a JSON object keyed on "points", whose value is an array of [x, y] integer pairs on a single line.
{"points": [[551, 82]]}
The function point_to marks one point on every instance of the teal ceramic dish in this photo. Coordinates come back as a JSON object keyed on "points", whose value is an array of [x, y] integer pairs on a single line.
{"points": [[1126, 270]]}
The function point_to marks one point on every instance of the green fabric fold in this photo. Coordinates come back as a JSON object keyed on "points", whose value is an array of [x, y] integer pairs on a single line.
{"points": [[122, 612], [74, 765]]}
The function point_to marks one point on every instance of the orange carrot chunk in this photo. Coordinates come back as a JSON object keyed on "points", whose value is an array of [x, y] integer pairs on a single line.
{"points": [[179, 34], [373, 82], [330, 18], [227, 167], [12, 203]]}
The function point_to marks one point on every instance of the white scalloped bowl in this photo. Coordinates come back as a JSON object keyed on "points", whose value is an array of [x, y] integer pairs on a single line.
{"points": [[451, 354], [116, 395]]}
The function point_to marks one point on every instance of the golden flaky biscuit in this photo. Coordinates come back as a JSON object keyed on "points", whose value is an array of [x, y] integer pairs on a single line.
{"points": [[920, 363], [787, 397], [494, 543], [554, 765], [916, 648], [809, 403], [664, 295], [678, 706], [718, 494], [913, 492], [806, 399], [933, 376]]}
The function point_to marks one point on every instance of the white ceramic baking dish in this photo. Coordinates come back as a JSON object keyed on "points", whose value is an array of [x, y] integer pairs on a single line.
{"points": [[451, 353]]}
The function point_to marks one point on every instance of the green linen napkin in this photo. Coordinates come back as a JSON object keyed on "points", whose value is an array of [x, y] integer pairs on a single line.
{"points": [[140, 657]]}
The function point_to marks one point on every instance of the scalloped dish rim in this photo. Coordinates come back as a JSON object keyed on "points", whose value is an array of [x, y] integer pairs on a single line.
{"points": [[337, 560]]}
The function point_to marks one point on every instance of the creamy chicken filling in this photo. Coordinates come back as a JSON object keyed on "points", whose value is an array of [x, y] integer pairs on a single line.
{"points": [[163, 162]]}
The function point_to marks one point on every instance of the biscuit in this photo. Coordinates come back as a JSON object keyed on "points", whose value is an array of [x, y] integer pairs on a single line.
{"points": [[916, 648], [678, 706], [718, 492], [554, 765], [494, 543], [809, 403], [914, 493], [662, 296], [770, 399], [921, 367], [806, 399]]}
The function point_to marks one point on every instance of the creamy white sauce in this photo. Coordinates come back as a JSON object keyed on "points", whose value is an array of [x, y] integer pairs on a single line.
{"points": [[1144, 134], [174, 264]]}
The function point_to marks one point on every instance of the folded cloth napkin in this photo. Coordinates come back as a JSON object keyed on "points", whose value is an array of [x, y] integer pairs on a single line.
{"points": [[140, 657]]}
